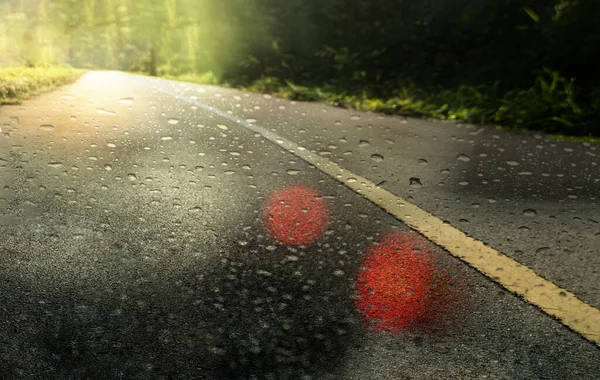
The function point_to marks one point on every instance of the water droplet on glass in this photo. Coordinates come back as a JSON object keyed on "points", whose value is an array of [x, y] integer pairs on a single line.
{"points": [[530, 212], [293, 171], [229, 172], [223, 127], [47, 127], [512, 163], [354, 117], [463, 157], [234, 153], [111, 145], [363, 143], [131, 177], [423, 161], [445, 171], [250, 120], [55, 164], [126, 101], [103, 111], [108, 167], [173, 121], [377, 157], [542, 250], [166, 138]]}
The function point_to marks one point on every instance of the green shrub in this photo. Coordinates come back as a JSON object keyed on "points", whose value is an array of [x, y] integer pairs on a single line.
{"points": [[18, 83]]}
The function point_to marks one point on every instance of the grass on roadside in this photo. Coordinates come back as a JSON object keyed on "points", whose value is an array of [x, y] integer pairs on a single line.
{"points": [[552, 104], [18, 83]]}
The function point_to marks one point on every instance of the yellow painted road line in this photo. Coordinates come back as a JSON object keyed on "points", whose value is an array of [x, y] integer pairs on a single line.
{"points": [[515, 277]]}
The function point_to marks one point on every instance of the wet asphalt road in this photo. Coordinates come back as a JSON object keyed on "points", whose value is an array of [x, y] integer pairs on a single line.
{"points": [[134, 244]]}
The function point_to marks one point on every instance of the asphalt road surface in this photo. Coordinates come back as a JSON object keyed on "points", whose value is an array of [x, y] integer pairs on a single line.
{"points": [[145, 234]]}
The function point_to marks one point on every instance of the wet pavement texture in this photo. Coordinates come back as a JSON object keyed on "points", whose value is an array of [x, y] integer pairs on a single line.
{"points": [[533, 198], [140, 241]]}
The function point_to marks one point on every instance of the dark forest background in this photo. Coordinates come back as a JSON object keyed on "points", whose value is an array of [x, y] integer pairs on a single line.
{"points": [[532, 64]]}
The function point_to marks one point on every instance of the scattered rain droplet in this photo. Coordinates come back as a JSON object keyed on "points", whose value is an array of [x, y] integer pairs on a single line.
{"points": [[108, 167], [103, 111], [463, 183], [293, 171], [351, 180], [250, 120], [173, 121], [55, 164], [234, 153], [111, 145], [166, 138], [530, 212], [445, 171], [512, 163], [354, 117], [126, 101], [377, 157], [131, 177], [229, 172], [463, 157], [364, 143], [73, 118], [47, 127], [223, 127], [542, 250], [423, 161], [415, 182]]}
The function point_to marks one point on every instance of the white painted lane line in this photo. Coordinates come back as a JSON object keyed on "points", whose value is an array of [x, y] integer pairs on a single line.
{"points": [[515, 277]]}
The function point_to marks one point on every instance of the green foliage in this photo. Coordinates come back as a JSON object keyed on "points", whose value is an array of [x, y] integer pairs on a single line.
{"points": [[549, 105], [18, 83], [460, 59]]}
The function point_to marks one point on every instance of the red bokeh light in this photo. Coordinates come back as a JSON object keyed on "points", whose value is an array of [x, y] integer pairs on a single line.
{"points": [[394, 283], [401, 287], [296, 215]]}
